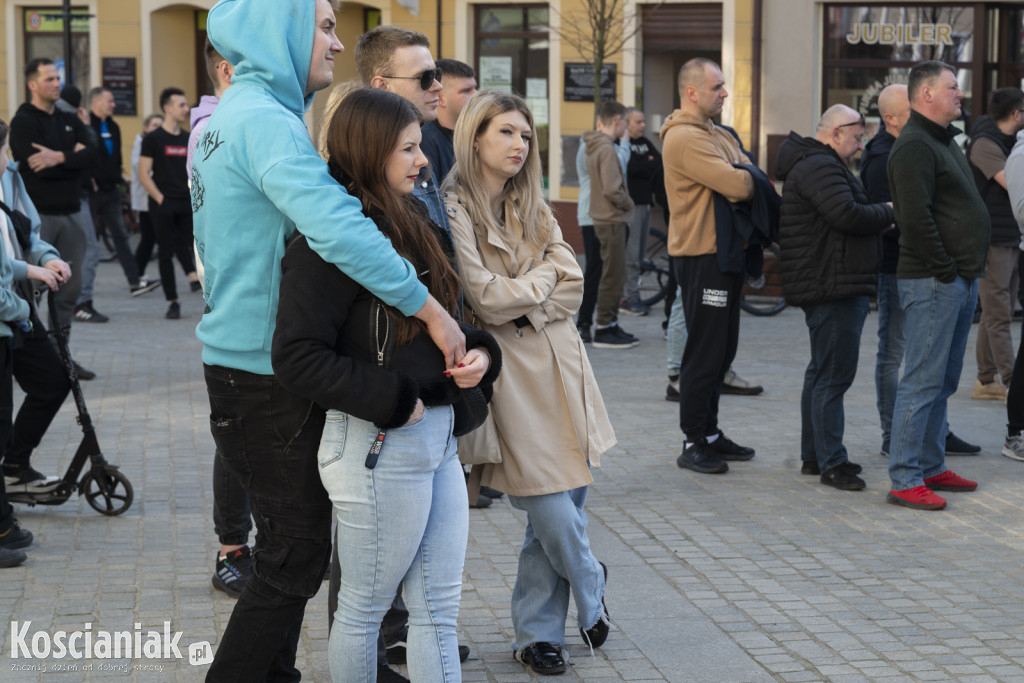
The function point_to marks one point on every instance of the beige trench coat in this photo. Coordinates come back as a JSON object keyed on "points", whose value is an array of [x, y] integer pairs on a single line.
{"points": [[548, 412]]}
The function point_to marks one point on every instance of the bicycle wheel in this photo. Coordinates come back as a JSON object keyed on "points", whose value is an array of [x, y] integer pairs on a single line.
{"points": [[654, 271], [761, 306], [769, 299]]}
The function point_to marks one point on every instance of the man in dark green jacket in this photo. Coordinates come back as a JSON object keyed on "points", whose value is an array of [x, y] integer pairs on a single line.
{"points": [[944, 237]]}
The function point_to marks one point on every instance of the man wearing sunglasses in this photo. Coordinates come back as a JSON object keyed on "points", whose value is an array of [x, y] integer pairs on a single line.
{"points": [[828, 232], [399, 60]]}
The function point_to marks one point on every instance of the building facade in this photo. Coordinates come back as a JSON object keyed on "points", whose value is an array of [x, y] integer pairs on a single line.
{"points": [[784, 61]]}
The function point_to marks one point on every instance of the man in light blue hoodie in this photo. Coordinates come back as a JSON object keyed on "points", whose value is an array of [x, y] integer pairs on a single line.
{"points": [[232, 518], [266, 182]]}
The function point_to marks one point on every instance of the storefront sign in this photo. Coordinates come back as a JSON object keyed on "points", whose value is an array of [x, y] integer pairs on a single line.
{"points": [[901, 34], [42, 21], [119, 77], [579, 82]]}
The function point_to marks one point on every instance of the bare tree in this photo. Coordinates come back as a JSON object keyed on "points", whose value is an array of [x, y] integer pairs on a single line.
{"points": [[599, 30]]}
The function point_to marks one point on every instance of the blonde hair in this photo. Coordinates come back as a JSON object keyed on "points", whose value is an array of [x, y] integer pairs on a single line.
{"points": [[523, 192], [339, 93]]}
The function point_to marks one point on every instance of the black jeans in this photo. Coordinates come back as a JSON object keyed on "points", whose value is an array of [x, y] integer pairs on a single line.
{"points": [[1015, 394], [232, 517], [591, 274], [268, 438], [147, 240], [711, 303], [173, 228], [40, 372], [106, 211]]}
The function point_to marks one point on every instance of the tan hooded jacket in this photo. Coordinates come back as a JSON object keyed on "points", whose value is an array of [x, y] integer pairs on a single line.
{"points": [[609, 198], [698, 158]]}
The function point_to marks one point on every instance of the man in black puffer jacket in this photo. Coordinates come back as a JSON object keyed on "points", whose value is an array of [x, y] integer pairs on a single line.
{"points": [[828, 234]]}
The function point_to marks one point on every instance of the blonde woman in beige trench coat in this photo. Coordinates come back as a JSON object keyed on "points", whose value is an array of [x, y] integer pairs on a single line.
{"points": [[522, 284]]}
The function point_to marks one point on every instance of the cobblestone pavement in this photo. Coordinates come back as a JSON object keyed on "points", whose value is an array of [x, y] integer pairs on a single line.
{"points": [[758, 575]]}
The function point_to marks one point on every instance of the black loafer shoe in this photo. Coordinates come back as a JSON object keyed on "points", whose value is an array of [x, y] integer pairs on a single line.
{"points": [[810, 467], [544, 659], [728, 449]]}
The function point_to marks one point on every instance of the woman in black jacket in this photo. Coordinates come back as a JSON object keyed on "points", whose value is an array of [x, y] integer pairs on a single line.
{"points": [[388, 455]]}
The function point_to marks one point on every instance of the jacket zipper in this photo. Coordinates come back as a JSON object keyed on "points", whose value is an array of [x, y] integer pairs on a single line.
{"points": [[377, 312]]}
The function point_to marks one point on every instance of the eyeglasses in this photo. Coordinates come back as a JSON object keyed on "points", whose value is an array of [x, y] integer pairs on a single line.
{"points": [[858, 122], [426, 78]]}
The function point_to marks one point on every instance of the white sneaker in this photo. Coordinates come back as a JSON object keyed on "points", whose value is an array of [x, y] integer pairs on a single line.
{"points": [[1014, 447]]}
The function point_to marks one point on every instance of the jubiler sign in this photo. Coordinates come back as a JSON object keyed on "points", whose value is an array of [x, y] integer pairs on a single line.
{"points": [[901, 34]]}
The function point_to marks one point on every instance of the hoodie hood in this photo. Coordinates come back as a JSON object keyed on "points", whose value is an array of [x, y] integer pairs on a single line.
{"points": [[270, 43], [878, 146], [202, 111], [681, 118], [595, 140], [795, 149]]}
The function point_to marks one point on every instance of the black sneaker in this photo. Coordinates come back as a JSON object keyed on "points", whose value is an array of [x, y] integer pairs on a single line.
{"points": [[25, 479], [173, 311], [811, 467], [672, 391], [482, 501], [699, 458], [83, 373], [15, 538], [87, 314], [490, 493], [196, 286], [143, 286], [584, 330], [842, 477], [598, 633], [729, 449], [231, 573], [613, 338], [10, 557], [957, 446], [385, 674]]}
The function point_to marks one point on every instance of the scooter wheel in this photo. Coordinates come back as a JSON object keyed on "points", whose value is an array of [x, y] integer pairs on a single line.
{"points": [[109, 493]]}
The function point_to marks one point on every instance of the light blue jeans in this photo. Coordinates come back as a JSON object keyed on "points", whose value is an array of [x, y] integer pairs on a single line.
{"points": [[555, 559], [938, 322], [407, 521], [892, 340], [676, 334], [92, 255]]}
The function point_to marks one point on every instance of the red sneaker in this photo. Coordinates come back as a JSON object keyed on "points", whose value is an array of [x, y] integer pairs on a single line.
{"points": [[919, 498], [950, 481]]}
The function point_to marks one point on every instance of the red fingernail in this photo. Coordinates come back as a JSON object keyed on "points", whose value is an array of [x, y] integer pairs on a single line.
{"points": [[462, 365], [447, 373]]}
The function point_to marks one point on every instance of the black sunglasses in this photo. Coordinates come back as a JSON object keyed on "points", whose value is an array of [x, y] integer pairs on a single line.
{"points": [[858, 122], [426, 78]]}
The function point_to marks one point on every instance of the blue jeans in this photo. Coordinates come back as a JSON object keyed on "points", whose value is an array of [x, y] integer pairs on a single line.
{"points": [[406, 521], [834, 328], [892, 340], [267, 437], [555, 558], [938, 321], [91, 257], [676, 332]]}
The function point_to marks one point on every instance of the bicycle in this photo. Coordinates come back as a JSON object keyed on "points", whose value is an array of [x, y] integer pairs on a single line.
{"points": [[655, 272]]}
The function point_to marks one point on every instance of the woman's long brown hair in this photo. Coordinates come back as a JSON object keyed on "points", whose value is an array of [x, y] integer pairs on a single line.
{"points": [[362, 135]]}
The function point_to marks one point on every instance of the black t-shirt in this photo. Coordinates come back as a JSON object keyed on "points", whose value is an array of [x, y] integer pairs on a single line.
{"points": [[169, 153]]}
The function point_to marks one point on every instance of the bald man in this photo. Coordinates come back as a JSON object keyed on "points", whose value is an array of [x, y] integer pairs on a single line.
{"points": [[828, 234], [894, 109], [699, 160]]}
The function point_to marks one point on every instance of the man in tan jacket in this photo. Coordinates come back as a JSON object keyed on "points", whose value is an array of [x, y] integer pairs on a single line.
{"points": [[698, 159], [611, 209]]}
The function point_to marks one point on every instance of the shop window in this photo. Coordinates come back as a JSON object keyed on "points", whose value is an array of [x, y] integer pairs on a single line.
{"points": [[44, 37], [866, 47], [512, 56]]}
